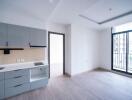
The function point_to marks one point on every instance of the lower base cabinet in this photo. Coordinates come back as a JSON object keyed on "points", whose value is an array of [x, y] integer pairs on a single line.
{"points": [[1, 89], [38, 84], [11, 91], [19, 81]]}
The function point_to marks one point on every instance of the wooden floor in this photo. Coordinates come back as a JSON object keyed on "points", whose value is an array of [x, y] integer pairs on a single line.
{"points": [[95, 85]]}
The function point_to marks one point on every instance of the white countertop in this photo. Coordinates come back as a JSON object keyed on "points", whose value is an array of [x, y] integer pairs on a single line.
{"points": [[16, 66]]}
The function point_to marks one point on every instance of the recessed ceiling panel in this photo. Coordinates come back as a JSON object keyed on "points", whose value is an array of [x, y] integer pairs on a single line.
{"points": [[107, 9], [26, 11]]}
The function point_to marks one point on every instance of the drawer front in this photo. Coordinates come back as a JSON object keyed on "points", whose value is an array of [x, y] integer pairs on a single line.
{"points": [[2, 76], [15, 73], [39, 83], [17, 89], [1, 89], [16, 81], [46, 71]]}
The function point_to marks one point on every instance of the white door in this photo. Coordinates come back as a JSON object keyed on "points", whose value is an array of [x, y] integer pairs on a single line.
{"points": [[56, 54]]}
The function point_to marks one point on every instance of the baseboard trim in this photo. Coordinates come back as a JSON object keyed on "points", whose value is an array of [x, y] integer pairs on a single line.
{"points": [[115, 72], [120, 73], [67, 74], [103, 69], [86, 71]]}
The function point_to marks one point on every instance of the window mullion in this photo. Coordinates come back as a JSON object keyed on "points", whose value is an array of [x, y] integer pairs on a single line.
{"points": [[127, 50]]}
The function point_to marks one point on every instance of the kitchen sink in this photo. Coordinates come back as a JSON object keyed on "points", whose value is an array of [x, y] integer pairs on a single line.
{"points": [[1, 68]]}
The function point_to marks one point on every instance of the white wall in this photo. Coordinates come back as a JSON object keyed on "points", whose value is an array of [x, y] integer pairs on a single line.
{"points": [[84, 49], [54, 27], [81, 47], [105, 48]]}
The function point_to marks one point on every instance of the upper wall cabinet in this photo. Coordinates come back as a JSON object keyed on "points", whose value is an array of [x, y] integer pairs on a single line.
{"points": [[17, 37], [14, 36], [37, 38], [3, 35]]}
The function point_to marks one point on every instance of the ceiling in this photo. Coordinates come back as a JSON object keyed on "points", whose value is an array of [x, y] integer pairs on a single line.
{"points": [[106, 9], [68, 10], [27, 12], [37, 13]]}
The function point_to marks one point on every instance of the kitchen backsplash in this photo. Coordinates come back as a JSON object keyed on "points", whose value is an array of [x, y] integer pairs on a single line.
{"points": [[19, 56]]}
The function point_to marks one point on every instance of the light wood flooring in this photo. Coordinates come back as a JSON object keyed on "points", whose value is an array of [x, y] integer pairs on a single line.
{"points": [[95, 85]]}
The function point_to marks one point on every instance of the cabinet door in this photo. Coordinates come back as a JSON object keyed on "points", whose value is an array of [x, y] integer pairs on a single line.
{"points": [[16, 73], [17, 36], [1, 89], [38, 37], [18, 89], [1, 76], [3, 35], [38, 83]]}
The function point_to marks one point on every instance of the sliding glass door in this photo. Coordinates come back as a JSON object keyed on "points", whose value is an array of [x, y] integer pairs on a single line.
{"points": [[119, 51], [122, 48], [122, 51], [130, 52]]}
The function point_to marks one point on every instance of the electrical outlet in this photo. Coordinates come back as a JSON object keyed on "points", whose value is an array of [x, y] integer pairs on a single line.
{"points": [[22, 60], [18, 60]]}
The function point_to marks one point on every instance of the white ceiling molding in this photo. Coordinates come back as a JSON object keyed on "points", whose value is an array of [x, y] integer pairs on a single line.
{"points": [[116, 17], [85, 17]]}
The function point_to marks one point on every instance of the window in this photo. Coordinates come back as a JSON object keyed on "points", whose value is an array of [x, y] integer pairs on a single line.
{"points": [[122, 48], [121, 28]]}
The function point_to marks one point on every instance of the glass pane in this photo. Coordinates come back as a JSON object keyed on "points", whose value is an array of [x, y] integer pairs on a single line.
{"points": [[123, 27], [130, 53], [119, 52], [56, 55]]}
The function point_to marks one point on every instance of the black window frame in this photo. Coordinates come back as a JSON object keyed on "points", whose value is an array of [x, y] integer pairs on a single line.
{"points": [[127, 50]]}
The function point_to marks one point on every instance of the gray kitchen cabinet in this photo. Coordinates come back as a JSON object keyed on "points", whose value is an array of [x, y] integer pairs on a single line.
{"points": [[39, 83], [17, 36], [39, 77], [22, 80], [15, 73], [3, 35], [11, 91], [38, 37], [2, 89], [1, 76], [1, 85], [16, 82]]}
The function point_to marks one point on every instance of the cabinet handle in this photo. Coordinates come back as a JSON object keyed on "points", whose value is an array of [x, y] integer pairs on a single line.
{"points": [[17, 76], [6, 43], [18, 70], [18, 85], [29, 44]]}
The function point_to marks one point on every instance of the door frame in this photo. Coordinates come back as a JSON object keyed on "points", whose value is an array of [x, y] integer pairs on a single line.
{"points": [[50, 32]]}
